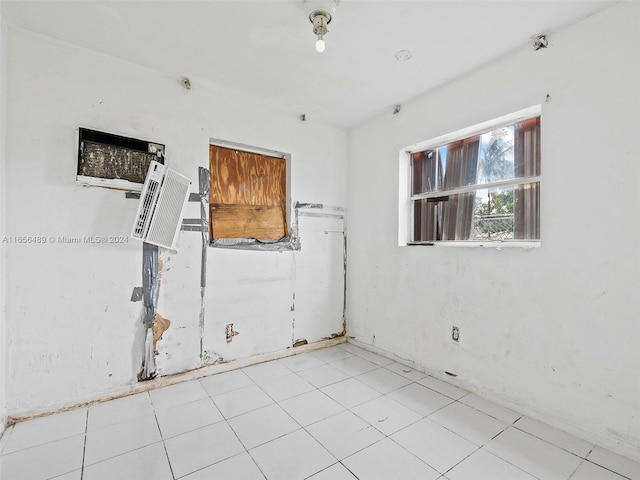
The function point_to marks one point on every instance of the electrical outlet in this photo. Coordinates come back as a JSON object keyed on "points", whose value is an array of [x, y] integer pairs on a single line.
{"points": [[455, 334]]}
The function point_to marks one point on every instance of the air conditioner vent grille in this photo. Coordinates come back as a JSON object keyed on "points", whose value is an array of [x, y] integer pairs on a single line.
{"points": [[148, 201], [164, 195]]}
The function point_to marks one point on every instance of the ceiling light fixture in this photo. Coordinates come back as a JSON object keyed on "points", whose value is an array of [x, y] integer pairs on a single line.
{"points": [[320, 15]]}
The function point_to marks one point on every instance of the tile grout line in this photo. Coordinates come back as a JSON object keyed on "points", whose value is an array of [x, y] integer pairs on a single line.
{"points": [[226, 420], [164, 445], [84, 447]]}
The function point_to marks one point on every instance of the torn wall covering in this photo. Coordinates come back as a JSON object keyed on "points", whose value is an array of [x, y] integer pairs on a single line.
{"points": [[84, 290], [301, 293]]}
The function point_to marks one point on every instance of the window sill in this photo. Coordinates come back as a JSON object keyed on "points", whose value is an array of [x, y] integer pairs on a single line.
{"points": [[498, 244], [286, 244]]}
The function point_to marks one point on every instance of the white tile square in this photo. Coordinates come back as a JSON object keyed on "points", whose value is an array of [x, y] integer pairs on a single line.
{"points": [[311, 407], [147, 462], [344, 434], [405, 371], [554, 436], [44, 461], [225, 382], [330, 354], [383, 380], [351, 348], [119, 410], [263, 372], [386, 460], [178, 394], [295, 456], [323, 375], [46, 429], [483, 465], [200, 448], [472, 424], [420, 399], [241, 401], [350, 392], [190, 416], [490, 408], [591, 471], [285, 387], [534, 456], [119, 438], [336, 471], [262, 425], [75, 475], [386, 414], [435, 445], [241, 467], [442, 387], [366, 354], [301, 361], [614, 462], [353, 366]]}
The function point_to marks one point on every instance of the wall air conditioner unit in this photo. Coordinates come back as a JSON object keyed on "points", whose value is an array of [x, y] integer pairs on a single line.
{"points": [[114, 161], [164, 195]]}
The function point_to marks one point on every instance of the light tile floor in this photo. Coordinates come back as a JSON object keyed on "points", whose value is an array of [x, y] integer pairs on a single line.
{"points": [[334, 414]]}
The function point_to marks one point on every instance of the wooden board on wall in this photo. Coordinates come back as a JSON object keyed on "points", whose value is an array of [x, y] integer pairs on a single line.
{"points": [[247, 221], [247, 195], [245, 178]]}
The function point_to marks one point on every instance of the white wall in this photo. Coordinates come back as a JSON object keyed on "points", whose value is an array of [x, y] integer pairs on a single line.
{"points": [[3, 338], [73, 331], [552, 332]]}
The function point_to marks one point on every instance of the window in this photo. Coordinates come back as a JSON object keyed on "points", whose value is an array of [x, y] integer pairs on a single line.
{"points": [[247, 197], [478, 187]]}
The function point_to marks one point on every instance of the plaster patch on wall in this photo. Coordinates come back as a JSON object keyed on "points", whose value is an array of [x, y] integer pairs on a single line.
{"points": [[160, 325]]}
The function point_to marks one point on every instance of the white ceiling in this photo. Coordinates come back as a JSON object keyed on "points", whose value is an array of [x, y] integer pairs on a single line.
{"points": [[265, 49]]}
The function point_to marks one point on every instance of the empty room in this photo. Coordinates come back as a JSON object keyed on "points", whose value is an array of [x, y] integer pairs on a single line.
{"points": [[319, 239]]}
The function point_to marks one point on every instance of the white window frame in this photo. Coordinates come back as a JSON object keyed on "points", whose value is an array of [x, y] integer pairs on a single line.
{"points": [[405, 213]]}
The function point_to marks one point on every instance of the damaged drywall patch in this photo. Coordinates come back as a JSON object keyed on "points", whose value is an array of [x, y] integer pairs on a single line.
{"points": [[230, 332], [160, 325]]}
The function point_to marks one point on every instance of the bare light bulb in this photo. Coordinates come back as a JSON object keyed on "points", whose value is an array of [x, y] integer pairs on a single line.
{"points": [[320, 45]]}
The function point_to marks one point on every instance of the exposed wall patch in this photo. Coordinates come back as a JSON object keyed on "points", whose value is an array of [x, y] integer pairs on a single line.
{"points": [[230, 332], [160, 325]]}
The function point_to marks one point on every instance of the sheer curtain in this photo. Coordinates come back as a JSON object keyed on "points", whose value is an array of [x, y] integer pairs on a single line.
{"points": [[461, 170], [426, 178], [527, 163]]}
